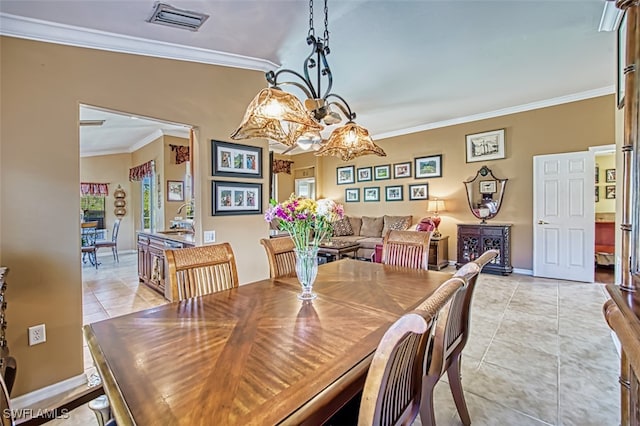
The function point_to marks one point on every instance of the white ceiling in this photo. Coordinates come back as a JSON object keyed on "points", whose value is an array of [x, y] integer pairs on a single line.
{"points": [[403, 65]]}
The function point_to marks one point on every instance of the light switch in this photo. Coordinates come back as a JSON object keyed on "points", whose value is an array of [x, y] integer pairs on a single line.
{"points": [[209, 236]]}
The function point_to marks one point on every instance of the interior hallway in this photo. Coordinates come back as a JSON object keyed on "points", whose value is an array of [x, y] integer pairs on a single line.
{"points": [[540, 352]]}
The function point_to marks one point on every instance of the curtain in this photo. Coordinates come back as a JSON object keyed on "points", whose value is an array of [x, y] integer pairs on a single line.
{"points": [[90, 188], [142, 171], [182, 153], [281, 166]]}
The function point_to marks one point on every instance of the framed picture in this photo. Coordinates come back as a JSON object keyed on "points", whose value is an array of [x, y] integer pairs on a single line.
{"points": [[352, 195], [610, 192], [485, 146], [488, 186], [597, 173], [402, 170], [175, 190], [622, 53], [371, 193], [393, 193], [419, 191], [234, 198], [610, 175], [382, 172], [597, 194], [428, 167], [236, 160], [365, 174], [345, 175]]}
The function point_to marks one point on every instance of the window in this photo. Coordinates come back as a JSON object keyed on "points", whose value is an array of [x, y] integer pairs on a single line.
{"points": [[93, 208], [147, 202]]}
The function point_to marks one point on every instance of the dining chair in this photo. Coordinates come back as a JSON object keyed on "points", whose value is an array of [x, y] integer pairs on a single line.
{"points": [[406, 248], [450, 337], [196, 271], [6, 414], [89, 231], [393, 387], [113, 244], [280, 254]]}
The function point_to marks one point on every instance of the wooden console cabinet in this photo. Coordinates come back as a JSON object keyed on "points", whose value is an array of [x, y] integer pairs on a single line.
{"points": [[151, 262], [475, 239], [439, 253]]}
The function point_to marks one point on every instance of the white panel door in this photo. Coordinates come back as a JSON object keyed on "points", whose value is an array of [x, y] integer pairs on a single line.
{"points": [[563, 216]]}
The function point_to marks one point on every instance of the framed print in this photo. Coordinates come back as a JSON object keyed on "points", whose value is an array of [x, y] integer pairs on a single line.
{"points": [[365, 174], [419, 191], [352, 195], [610, 192], [428, 167], [622, 53], [402, 170], [382, 172], [610, 175], [597, 173], [175, 190], [597, 194], [371, 193], [485, 146], [488, 186], [234, 198], [345, 175], [236, 160], [393, 193]]}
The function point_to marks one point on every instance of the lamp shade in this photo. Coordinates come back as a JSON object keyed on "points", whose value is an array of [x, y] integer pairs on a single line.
{"points": [[276, 115], [350, 141], [436, 206]]}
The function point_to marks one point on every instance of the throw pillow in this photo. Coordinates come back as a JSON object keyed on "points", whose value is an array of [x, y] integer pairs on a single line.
{"points": [[356, 224], [342, 228], [371, 226], [396, 223]]}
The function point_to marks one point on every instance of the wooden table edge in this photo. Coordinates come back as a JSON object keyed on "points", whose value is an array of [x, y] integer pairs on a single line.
{"points": [[119, 409]]}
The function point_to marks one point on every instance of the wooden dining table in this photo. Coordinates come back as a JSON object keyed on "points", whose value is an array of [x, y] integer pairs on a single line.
{"points": [[254, 354]]}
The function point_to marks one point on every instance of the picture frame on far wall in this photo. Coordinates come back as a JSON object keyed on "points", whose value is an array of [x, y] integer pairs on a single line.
{"points": [[236, 160], [597, 194], [393, 193], [352, 195], [371, 193], [402, 170], [382, 172], [365, 174], [610, 192], [610, 175], [345, 175], [428, 167], [485, 146], [622, 53], [175, 190], [235, 198], [419, 191]]}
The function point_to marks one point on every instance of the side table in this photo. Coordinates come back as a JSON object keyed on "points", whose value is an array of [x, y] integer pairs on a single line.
{"points": [[438, 253]]}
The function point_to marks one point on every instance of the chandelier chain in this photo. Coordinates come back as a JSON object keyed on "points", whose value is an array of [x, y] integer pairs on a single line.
{"points": [[312, 31], [326, 26]]}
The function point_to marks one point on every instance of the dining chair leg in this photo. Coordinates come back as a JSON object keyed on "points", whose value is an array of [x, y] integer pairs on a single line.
{"points": [[427, 415], [455, 383], [115, 254]]}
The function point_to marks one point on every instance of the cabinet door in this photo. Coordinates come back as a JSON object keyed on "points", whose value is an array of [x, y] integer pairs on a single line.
{"points": [[494, 238], [469, 244]]}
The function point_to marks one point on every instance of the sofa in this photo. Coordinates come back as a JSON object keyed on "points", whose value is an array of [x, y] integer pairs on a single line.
{"points": [[368, 231]]}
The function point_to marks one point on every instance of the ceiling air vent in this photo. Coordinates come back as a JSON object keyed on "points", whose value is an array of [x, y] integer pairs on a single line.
{"points": [[165, 14]]}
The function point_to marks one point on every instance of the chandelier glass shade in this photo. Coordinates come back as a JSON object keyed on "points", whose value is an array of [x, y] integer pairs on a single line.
{"points": [[280, 116]]}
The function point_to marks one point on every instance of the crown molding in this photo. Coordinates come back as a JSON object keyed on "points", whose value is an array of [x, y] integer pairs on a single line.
{"points": [[156, 134], [500, 112], [51, 32]]}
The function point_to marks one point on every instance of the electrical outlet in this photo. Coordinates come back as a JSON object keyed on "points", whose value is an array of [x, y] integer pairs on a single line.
{"points": [[37, 334], [209, 236]]}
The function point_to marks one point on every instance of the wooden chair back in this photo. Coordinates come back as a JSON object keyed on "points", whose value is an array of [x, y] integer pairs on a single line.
{"points": [[282, 258], [406, 248], [450, 337], [196, 271], [393, 386]]}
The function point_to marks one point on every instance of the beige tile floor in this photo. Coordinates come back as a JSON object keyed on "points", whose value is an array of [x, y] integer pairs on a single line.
{"points": [[540, 352]]}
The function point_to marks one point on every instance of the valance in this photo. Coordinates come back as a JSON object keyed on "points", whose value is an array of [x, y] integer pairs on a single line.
{"points": [[182, 153], [281, 166], [89, 188], [142, 171]]}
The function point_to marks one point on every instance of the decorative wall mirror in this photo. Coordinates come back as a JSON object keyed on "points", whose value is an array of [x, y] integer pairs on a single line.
{"points": [[484, 194]]}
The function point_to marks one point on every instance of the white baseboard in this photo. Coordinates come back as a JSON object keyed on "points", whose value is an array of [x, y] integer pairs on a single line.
{"points": [[516, 270], [29, 400]]}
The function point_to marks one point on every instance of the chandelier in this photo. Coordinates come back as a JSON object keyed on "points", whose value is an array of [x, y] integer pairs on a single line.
{"points": [[280, 116]]}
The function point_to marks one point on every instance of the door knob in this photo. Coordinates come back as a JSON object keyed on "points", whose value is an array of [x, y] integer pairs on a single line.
{"points": [[542, 222]]}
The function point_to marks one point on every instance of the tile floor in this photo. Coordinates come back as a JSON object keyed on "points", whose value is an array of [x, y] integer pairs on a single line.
{"points": [[540, 352]]}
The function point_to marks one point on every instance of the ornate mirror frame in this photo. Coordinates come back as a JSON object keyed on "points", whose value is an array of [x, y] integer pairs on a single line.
{"points": [[485, 193]]}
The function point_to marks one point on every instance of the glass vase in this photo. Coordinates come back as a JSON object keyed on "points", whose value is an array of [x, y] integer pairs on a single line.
{"points": [[307, 270]]}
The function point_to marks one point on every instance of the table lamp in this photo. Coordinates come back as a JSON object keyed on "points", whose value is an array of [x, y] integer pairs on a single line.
{"points": [[436, 206]]}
